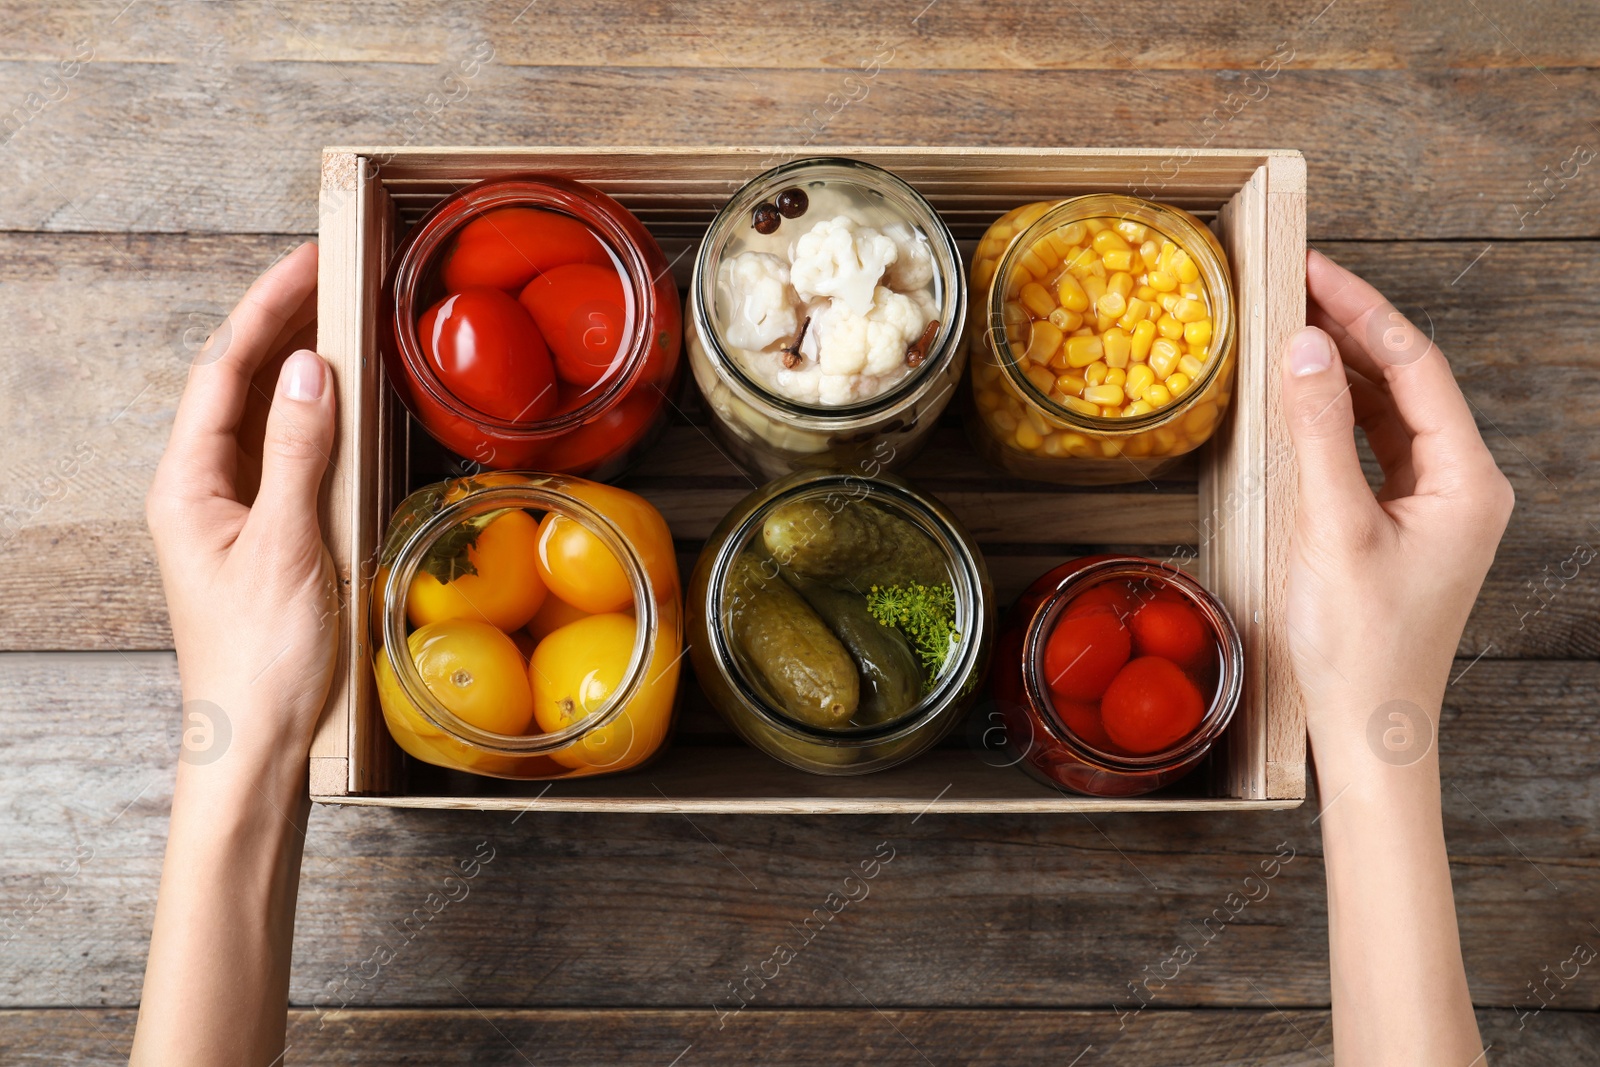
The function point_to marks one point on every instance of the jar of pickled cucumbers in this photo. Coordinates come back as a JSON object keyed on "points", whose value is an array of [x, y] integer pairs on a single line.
{"points": [[1107, 347], [1115, 675], [840, 624], [826, 319], [538, 618]]}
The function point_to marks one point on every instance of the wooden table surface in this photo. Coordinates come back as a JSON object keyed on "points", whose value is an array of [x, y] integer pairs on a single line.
{"points": [[159, 155]]}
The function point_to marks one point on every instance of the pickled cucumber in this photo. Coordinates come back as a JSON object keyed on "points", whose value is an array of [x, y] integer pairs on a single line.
{"points": [[803, 665], [891, 680], [851, 542]]}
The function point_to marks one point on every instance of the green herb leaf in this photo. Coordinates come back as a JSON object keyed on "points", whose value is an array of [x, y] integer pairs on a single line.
{"points": [[926, 614]]}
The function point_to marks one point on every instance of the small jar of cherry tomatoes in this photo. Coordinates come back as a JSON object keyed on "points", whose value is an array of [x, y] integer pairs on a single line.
{"points": [[1115, 675], [539, 622], [533, 323]]}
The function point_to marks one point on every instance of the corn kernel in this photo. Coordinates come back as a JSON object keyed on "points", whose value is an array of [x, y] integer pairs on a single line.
{"points": [[1161, 280], [1035, 264], [1168, 301], [1053, 446], [983, 273], [1191, 366], [1036, 420], [1076, 444], [1163, 357], [1015, 314], [1071, 294], [1132, 231], [1197, 351], [1060, 247], [1036, 298], [1027, 439], [1074, 233], [1102, 321], [1168, 251], [1177, 382], [1169, 327], [987, 399], [1005, 420], [1109, 241], [1189, 310], [1071, 384], [1137, 447], [1192, 290], [1145, 293], [1157, 395], [1104, 395], [1044, 341], [1080, 263], [1118, 259], [1198, 333], [1188, 270], [1113, 304], [1110, 411], [1199, 421], [1028, 214], [1095, 373], [1137, 309], [1143, 334], [1150, 252], [1138, 407], [1116, 376], [1098, 268], [1041, 378], [1082, 351], [1096, 225], [1082, 331], [1140, 378], [1081, 406], [1064, 320], [1110, 448], [1094, 286], [1118, 347], [1121, 283]]}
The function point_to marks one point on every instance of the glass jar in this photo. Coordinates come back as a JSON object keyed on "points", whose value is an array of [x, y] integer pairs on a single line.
{"points": [[554, 327], [836, 339], [541, 614], [1045, 685], [840, 624], [1091, 365]]}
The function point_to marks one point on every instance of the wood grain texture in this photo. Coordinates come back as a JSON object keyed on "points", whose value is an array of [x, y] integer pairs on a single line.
{"points": [[446, 1037], [215, 143], [106, 325], [655, 910]]}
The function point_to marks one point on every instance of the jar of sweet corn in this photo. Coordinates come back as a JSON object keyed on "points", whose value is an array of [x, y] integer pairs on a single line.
{"points": [[1108, 345]]}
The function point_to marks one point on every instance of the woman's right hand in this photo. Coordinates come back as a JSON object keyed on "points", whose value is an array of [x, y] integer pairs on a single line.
{"points": [[1380, 585]]}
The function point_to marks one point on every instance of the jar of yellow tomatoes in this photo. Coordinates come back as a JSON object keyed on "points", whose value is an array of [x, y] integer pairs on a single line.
{"points": [[538, 619], [1107, 349]]}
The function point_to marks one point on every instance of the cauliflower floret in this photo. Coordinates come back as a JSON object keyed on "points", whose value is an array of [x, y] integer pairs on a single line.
{"points": [[913, 264], [837, 389], [803, 382], [762, 304], [845, 343], [839, 259]]}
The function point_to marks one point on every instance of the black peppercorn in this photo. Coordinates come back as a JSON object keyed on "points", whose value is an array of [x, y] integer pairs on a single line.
{"points": [[793, 203], [766, 219]]}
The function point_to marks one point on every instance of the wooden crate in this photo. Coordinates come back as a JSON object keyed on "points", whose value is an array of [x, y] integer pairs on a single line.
{"points": [[1227, 514]]}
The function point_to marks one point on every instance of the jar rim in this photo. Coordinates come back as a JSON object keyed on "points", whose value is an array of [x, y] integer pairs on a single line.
{"points": [[1230, 677], [545, 493], [418, 254], [968, 582], [920, 213], [1161, 217]]}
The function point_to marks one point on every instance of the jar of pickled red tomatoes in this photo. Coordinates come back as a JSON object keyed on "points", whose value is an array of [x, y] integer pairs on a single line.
{"points": [[827, 310], [527, 626], [532, 323], [1115, 675], [1107, 347], [840, 624]]}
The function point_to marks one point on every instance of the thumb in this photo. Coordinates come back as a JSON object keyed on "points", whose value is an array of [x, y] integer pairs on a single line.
{"points": [[1322, 422], [298, 442]]}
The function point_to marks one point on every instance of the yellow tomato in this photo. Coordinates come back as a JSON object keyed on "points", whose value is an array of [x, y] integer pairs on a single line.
{"points": [[555, 614], [580, 569], [507, 589], [576, 670], [475, 671]]}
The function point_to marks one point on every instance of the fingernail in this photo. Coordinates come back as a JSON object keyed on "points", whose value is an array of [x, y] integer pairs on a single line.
{"points": [[1309, 352], [303, 375]]}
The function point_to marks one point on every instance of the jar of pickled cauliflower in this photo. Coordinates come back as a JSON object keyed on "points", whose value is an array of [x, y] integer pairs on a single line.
{"points": [[538, 622], [1107, 348], [840, 624], [827, 313], [532, 322]]}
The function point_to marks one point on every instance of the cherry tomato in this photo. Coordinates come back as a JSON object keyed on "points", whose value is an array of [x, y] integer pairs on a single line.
{"points": [[601, 439], [505, 248], [1167, 625], [1107, 596], [1151, 705], [505, 592], [583, 313], [579, 568], [1084, 653], [489, 354], [555, 614], [575, 671], [1082, 717], [476, 672]]}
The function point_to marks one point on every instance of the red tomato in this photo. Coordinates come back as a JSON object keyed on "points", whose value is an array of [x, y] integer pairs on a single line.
{"points": [[1082, 717], [488, 353], [1169, 626], [1084, 653], [1151, 705], [505, 248], [583, 313], [595, 442], [1107, 596]]}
